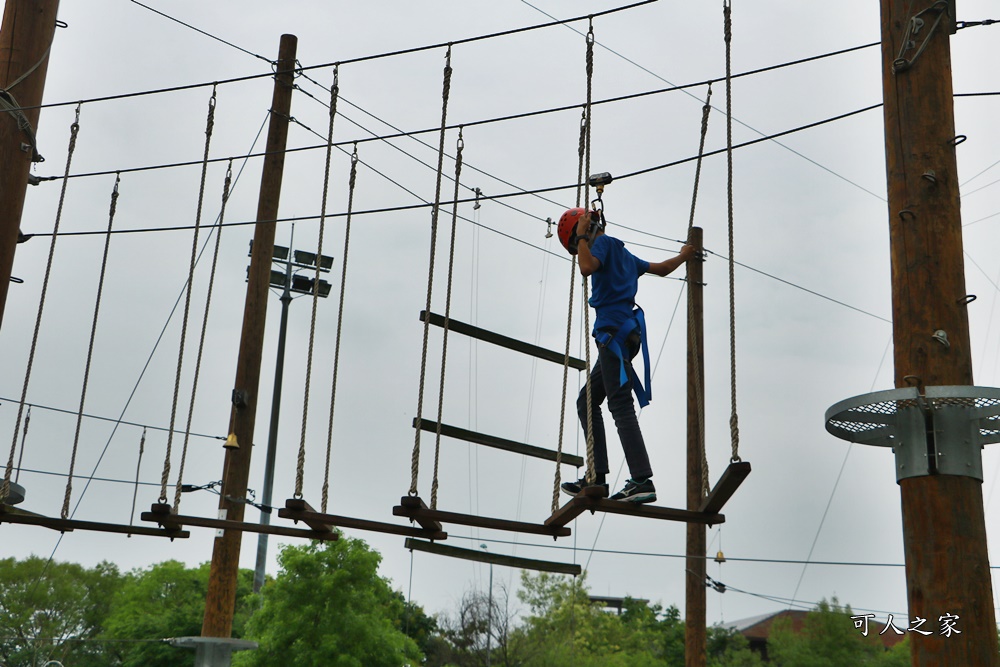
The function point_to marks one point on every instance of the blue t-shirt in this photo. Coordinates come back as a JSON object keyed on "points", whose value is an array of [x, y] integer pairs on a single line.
{"points": [[615, 283]]}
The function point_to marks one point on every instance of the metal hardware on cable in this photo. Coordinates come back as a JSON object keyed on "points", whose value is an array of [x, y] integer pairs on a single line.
{"points": [[913, 28], [74, 130], [445, 93]]}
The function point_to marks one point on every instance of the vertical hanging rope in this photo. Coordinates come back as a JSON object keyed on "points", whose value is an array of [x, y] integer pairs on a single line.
{"points": [[90, 348], [447, 318], [300, 464], [699, 390], [204, 327], [74, 130], [24, 437], [340, 322], [569, 320], [734, 425], [446, 90], [210, 123], [138, 466], [591, 473]]}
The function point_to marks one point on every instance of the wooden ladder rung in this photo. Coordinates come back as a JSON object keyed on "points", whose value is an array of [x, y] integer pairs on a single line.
{"points": [[300, 506], [68, 525], [415, 503], [423, 513], [503, 341], [497, 443], [497, 559], [163, 519], [318, 518], [595, 503], [731, 479]]}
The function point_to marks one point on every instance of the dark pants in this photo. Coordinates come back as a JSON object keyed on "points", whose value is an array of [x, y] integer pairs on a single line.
{"points": [[604, 383]]}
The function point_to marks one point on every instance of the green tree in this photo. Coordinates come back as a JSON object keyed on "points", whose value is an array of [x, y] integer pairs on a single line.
{"points": [[53, 611], [328, 607], [163, 601], [729, 648], [828, 639]]}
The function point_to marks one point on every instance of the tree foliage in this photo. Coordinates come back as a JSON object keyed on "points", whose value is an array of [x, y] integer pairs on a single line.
{"points": [[53, 611], [329, 608]]}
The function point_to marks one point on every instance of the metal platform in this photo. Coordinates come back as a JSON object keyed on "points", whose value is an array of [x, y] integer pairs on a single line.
{"points": [[938, 432]]}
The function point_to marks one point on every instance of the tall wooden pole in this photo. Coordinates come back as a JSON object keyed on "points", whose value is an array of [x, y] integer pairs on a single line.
{"points": [[25, 38], [944, 529], [221, 599], [694, 598]]}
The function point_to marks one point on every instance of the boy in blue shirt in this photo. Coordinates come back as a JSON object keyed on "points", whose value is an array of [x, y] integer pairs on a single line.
{"points": [[619, 330]]}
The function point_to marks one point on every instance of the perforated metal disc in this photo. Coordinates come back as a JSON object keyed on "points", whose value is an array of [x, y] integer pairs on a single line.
{"points": [[877, 418]]}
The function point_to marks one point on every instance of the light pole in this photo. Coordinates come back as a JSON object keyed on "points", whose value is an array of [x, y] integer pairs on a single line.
{"points": [[288, 282], [489, 616]]}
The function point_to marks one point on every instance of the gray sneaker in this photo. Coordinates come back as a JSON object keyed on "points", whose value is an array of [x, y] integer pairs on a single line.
{"points": [[637, 492]]}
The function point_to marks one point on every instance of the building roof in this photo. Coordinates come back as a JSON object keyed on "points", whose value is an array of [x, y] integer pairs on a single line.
{"points": [[758, 628]]}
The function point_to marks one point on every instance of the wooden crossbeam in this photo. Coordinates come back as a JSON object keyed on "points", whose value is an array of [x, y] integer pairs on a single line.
{"points": [[295, 508], [724, 489], [595, 503], [503, 341], [497, 559], [415, 503], [69, 525], [423, 513], [497, 443], [174, 521]]}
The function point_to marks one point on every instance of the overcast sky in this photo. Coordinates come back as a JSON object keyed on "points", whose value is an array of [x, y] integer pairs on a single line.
{"points": [[810, 211]]}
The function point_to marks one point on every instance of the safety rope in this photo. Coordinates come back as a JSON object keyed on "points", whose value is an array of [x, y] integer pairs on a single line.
{"points": [[591, 473], [90, 350], [340, 320], [446, 89], [210, 123], [24, 438], [301, 462], [734, 425], [581, 147], [447, 317], [204, 328], [699, 390], [138, 466], [74, 130]]}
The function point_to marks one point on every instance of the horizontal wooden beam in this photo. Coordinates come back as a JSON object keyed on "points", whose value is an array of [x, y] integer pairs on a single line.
{"points": [[498, 443], [731, 479], [69, 525], [504, 341], [242, 526], [312, 517], [300, 506], [582, 503], [479, 521], [496, 559]]}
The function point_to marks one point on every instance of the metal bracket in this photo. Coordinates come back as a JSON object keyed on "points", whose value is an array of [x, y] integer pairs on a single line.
{"points": [[941, 431]]}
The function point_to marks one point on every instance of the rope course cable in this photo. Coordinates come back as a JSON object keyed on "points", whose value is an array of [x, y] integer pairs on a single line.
{"points": [[415, 458], [227, 184], [90, 349], [74, 130], [138, 467], [300, 465], [447, 318], [699, 389], [352, 179], [209, 126], [734, 426], [591, 473]]}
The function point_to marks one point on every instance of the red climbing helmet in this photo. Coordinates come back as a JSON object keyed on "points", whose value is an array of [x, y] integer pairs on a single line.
{"points": [[568, 223]]}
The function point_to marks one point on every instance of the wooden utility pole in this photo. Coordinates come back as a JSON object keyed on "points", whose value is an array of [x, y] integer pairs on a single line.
{"points": [[25, 39], [694, 598], [221, 599], [944, 530]]}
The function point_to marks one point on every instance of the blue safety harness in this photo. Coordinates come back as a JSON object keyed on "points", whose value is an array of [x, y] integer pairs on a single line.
{"points": [[614, 341]]}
